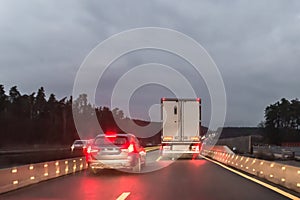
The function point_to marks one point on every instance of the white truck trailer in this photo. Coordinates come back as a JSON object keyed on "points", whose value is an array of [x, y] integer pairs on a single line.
{"points": [[181, 127]]}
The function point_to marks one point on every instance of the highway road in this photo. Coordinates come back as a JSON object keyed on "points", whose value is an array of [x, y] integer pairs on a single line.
{"points": [[179, 179]]}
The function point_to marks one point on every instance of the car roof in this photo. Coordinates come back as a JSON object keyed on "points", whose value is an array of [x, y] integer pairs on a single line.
{"points": [[80, 140], [117, 134]]}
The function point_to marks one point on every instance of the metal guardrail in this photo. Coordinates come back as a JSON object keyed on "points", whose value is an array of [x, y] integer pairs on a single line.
{"points": [[17, 177], [279, 152], [284, 175]]}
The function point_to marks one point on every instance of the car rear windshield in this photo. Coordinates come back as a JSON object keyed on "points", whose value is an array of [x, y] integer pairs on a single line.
{"points": [[108, 141], [79, 142]]}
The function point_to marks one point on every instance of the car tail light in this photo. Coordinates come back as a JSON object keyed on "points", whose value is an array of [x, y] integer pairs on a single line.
{"points": [[110, 136], [129, 147], [91, 150]]}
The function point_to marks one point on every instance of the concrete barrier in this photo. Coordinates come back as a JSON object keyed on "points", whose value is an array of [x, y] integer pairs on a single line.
{"points": [[20, 176], [284, 175]]}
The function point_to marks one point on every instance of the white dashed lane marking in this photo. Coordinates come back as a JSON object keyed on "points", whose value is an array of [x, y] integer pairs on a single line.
{"points": [[123, 196]]}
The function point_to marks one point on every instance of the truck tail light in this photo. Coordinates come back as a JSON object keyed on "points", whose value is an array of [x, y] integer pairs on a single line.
{"points": [[165, 138], [195, 138], [196, 147]]}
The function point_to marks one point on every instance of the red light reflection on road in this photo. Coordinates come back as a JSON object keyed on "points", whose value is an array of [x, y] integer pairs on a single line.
{"points": [[89, 188], [198, 163], [94, 187]]}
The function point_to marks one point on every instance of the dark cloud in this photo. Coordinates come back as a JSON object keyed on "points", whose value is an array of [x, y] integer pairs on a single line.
{"points": [[255, 44]]}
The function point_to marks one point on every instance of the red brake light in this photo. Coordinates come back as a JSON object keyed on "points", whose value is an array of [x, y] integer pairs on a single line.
{"points": [[88, 149], [110, 136], [163, 99], [196, 147], [198, 99], [109, 133], [130, 148], [91, 150]]}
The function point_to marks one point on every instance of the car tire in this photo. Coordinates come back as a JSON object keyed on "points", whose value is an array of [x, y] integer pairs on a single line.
{"points": [[138, 166], [144, 164]]}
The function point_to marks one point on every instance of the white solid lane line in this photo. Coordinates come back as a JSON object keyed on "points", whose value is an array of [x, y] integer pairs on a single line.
{"points": [[158, 159], [123, 196], [284, 193]]}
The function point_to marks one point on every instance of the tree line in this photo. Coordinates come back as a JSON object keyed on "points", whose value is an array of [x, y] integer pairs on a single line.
{"points": [[282, 121], [28, 119]]}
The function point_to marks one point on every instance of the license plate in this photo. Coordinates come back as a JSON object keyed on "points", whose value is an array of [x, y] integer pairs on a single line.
{"points": [[167, 148], [181, 147]]}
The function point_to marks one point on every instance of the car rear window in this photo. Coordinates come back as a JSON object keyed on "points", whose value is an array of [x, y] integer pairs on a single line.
{"points": [[106, 141], [78, 142]]}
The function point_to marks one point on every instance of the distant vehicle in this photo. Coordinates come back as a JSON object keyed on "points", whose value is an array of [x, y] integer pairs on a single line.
{"points": [[287, 154], [79, 145], [149, 144], [181, 127], [115, 151]]}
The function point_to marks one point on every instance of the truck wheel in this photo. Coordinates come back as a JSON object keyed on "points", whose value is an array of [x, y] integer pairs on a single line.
{"points": [[138, 166]]}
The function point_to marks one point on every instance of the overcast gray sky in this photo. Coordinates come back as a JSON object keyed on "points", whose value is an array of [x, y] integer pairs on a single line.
{"points": [[255, 44]]}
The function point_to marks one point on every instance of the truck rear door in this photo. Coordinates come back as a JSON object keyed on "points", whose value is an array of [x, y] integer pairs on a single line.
{"points": [[171, 120], [190, 120]]}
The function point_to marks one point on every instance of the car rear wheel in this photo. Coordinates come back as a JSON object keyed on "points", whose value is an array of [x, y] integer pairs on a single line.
{"points": [[144, 164], [138, 166]]}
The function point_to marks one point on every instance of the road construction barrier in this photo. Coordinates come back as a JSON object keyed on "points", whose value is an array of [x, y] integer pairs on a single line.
{"points": [[20, 176], [281, 174]]}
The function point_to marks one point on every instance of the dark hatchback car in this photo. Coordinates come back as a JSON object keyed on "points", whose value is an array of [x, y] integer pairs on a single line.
{"points": [[115, 151]]}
